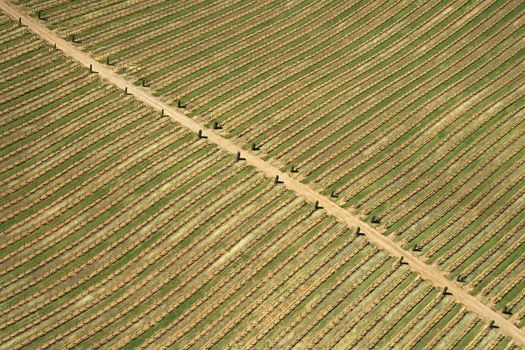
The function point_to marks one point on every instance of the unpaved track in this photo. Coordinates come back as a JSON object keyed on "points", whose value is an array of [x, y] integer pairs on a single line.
{"points": [[426, 271]]}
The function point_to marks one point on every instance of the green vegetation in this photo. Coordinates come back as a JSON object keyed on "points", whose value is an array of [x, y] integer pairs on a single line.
{"points": [[121, 229]]}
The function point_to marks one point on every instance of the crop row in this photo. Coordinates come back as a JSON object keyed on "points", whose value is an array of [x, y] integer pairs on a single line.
{"points": [[125, 230]]}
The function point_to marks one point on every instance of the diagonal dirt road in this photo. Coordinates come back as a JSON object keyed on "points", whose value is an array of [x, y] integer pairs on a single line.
{"points": [[373, 234]]}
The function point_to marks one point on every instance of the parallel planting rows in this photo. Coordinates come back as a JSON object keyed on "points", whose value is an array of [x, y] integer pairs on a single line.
{"points": [[121, 229], [410, 112]]}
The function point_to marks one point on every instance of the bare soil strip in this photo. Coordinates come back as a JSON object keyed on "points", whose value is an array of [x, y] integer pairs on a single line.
{"points": [[374, 235]]}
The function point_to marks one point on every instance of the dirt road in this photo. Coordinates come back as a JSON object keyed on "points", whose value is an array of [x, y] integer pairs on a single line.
{"points": [[426, 271]]}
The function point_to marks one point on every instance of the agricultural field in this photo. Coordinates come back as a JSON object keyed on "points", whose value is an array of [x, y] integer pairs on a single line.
{"points": [[409, 113], [121, 229]]}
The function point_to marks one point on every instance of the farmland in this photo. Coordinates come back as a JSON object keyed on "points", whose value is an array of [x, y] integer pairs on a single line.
{"points": [[122, 228], [409, 113], [109, 238]]}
